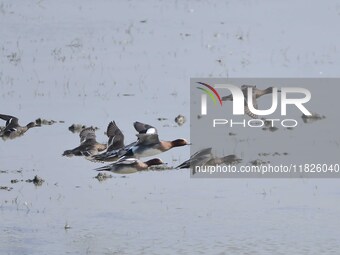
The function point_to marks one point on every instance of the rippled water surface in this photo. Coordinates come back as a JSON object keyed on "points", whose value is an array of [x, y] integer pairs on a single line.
{"points": [[92, 62]]}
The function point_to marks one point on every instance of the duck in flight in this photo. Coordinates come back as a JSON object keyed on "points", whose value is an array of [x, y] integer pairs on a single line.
{"points": [[205, 157], [198, 158], [89, 146], [147, 144], [116, 137], [13, 129], [256, 93], [130, 165], [116, 147]]}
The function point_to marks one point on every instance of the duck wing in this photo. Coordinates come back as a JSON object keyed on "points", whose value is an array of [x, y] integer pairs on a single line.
{"points": [[116, 137], [87, 134], [246, 107], [147, 139], [201, 153], [113, 155], [10, 120], [142, 128], [199, 157], [123, 161]]}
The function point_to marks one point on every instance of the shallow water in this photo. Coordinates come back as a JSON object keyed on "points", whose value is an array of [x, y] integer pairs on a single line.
{"points": [[75, 61]]}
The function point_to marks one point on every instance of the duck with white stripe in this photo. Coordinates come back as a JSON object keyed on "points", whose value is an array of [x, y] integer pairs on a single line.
{"points": [[13, 129], [147, 144], [130, 165]]}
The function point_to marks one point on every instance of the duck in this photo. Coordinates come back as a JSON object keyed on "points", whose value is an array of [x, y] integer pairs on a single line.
{"points": [[143, 128], [204, 157], [257, 93], [13, 129], [226, 160], [150, 145], [115, 146], [115, 135], [130, 165], [88, 144], [198, 158], [147, 144]]}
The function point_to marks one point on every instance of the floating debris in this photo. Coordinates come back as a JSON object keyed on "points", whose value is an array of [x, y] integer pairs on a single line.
{"points": [[180, 120], [161, 119], [184, 34], [266, 154], [37, 181], [125, 95], [231, 134], [67, 226], [271, 129], [312, 118], [77, 128], [41, 121], [160, 168], [258, 162], [263, 154], [268, 126], [143, 21], [16, 180], [102, 176], [76, 43], [6, 188], [267, 123], [174, 93]]}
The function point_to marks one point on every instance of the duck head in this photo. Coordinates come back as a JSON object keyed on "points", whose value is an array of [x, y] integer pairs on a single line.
{"points": [[179, 143], [154, 162], [32, 124]]}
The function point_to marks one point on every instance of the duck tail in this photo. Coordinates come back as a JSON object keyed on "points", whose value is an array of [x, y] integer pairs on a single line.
{"points": [[185, 164]]}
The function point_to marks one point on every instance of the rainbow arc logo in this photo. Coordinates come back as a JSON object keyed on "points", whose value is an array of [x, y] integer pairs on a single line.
{"points": [[211, 92]]}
